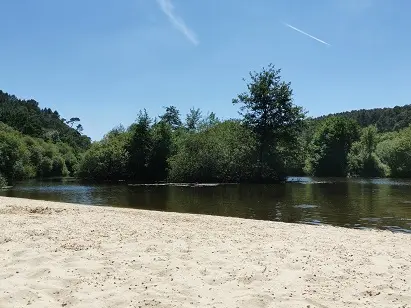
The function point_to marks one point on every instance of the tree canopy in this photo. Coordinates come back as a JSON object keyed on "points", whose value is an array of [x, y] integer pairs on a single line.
{"points": [[268, 110]]}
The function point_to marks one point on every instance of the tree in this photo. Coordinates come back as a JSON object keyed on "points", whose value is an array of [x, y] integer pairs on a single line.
{"points": [[14, 157], [193, 119], [330, 147], [268, 110], [385, 119], [161, 136], [106, 160], [395, 151], [72, 121], [222, 153], [209, 121], [172, 117], [362, 158], [139, 147], [79, 128]]}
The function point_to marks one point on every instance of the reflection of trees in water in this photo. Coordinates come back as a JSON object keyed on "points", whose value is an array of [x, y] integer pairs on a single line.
{"points": [[246, 201], [342, 203], [336, 204]]}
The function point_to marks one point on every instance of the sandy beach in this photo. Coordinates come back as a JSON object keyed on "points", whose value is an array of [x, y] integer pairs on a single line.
{"points": [[65, 255]]}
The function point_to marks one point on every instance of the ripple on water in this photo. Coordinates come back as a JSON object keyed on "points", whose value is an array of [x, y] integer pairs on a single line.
{"points": [[311, 222], [396, 229], [371, 219], [305, 206]]}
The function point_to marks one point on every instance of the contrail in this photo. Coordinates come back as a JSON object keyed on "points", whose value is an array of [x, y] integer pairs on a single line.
{"points": [[168, 9], [305, 33]]}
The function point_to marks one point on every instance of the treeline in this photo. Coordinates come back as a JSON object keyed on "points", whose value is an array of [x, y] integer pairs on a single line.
{"points": [[270, 140], [340, 147], [257, 148], [384, 119]]}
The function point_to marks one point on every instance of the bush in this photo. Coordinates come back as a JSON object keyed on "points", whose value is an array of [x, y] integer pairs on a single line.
{"points": [[105, 160], [222, 153]]}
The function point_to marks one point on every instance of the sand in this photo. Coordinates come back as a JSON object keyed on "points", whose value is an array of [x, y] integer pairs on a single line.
{"points": [[62, 255]]}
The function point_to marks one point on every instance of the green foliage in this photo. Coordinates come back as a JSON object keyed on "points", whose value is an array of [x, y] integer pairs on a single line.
{"points": [[396, 153], [24, 157], [15, 158], [193, 119], [385, 119], [172, 117], [268, 111], [209, 121], [330, 146], [139, 154], [26, 117], [222, 153], [362, 158], [161, 147], [106, 160], [139, 147], [271, 140]]}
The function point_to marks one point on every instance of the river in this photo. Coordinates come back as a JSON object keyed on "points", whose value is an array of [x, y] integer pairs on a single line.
{"points": [[353, 203]]}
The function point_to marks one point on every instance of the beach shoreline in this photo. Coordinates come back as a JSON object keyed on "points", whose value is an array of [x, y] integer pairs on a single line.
{"points": [[68, 255]]}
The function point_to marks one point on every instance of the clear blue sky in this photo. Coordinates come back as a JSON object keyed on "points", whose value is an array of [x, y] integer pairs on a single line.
{"points": [[104, 60]]}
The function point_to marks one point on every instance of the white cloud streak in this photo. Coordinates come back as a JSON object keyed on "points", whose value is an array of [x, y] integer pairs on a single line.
{"points": [[305, 33], [168, 9]]}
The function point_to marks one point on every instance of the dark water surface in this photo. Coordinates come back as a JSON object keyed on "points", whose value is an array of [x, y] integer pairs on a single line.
{"points": [[354, 203]]}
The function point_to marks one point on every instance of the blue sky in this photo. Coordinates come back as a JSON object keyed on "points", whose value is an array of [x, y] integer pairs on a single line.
{"points": [[103, 61]]}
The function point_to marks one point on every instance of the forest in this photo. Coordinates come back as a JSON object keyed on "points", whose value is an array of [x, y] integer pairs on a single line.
{"points": [[271, 139]]}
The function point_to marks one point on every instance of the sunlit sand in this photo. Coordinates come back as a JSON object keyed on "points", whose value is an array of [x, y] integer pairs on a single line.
{"points": [[62, 255]]}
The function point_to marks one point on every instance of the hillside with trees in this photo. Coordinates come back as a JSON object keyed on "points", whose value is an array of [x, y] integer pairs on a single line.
{"points": [[37, 143], [384, 119], [26, 117]]}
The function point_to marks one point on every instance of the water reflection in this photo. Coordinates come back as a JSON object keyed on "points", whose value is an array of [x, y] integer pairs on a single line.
{"points": [[354, 203]]}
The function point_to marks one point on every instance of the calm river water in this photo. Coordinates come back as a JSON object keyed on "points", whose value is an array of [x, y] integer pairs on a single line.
{"points": [[353, 203]]}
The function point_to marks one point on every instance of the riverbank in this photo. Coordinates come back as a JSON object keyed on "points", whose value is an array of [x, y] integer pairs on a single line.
{"points": [[56, 254]]}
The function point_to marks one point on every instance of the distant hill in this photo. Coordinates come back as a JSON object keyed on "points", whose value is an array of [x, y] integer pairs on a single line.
{"points": [[29, 119], [386, 119]]}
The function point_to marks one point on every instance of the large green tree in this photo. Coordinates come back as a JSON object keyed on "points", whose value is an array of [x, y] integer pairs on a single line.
{"points": [[268, 110], [139, 147], [330, 146], [108, 159]]}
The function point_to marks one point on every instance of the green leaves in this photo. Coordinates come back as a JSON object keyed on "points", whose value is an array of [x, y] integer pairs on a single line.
{"points": [[24, 157], [362, 158], [330, 146], [26, 117], [395, 152], [222, 153], [268, 111]]}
